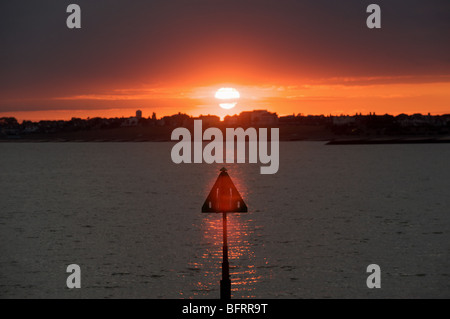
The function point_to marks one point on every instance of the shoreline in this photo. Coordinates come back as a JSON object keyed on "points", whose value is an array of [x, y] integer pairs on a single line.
{"points": [[379, 141], [287, 133], [327, 141]]}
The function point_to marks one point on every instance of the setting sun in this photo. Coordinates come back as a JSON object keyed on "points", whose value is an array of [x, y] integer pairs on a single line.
{"points": [[229, 96]]}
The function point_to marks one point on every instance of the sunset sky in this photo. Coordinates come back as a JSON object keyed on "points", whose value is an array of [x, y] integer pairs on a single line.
{"points": [[310, 57]]}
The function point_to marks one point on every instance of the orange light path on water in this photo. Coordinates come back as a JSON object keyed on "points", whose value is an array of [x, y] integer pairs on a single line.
{"points": [[243, 272]]}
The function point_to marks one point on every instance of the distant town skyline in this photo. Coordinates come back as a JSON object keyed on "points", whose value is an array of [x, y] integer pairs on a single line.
{"points": [[293, 127], [310, 57], [130, 113]]}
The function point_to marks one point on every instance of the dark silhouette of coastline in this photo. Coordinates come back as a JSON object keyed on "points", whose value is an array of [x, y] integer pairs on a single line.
{"points": [[344, 129]]}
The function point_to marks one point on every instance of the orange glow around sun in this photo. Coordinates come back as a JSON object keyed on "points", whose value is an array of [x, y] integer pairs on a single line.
{"points": [[332, 96], [189, 58]]}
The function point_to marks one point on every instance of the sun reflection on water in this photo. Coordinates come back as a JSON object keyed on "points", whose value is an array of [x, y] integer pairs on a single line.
{"points": [[243, 273]]}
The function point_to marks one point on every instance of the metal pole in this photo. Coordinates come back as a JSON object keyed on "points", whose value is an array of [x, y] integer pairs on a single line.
{"points": [[225, 283]]}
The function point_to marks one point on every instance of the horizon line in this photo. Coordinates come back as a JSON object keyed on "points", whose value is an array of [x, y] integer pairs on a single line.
{"points": [[223, 119]]}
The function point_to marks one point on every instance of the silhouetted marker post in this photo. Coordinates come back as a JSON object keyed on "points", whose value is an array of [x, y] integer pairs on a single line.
{"points": [[224, 198]]}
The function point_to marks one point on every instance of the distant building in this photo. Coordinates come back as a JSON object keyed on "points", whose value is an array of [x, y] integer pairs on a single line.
{"points": [[258, 117], [231, 120], [343, 120], [133, 121], [176, 120], [263, 117], [288, 119], [245, 118], [209, 120]]}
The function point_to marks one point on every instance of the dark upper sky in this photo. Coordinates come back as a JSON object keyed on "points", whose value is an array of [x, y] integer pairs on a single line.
{"points": [[199, 42]]}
